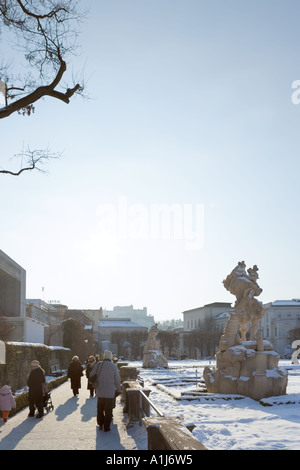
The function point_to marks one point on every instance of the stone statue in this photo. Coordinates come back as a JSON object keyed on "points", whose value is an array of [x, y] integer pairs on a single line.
{"points": [[243, 367], [152, 356], [247, 309]]}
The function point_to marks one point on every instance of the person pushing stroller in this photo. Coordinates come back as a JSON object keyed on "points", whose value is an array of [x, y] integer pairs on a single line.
{"points": [[35, 383]]}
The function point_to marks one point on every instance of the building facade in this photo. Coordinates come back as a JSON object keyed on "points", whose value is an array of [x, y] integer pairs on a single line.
{"points": [[12, 288], [13, 303], [139, 316], [279, 318], [94, 316], [50, 316], [193, 318], [108, 326]]}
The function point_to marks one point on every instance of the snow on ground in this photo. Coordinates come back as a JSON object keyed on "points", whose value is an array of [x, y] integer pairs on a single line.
{"points": [[222, 421]]}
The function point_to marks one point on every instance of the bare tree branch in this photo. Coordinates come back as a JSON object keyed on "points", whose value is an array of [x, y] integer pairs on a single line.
{"points": [[46, 15], [44, 38], [41, 92], [34, 160], [45, 31]]}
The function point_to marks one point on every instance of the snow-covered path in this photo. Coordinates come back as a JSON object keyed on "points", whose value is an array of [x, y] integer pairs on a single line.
{"points": [[71, 425], [221, 423]]}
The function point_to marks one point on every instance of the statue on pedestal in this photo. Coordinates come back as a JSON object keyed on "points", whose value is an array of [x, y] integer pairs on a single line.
{"points": [[244, 367], [152, 356]]}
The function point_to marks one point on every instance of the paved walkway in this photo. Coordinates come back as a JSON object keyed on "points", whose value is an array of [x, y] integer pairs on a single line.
{"points": [[71, 425]]}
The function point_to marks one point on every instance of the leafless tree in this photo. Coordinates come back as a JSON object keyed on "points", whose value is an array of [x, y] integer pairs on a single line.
{"points": [[43, 33], [169, 340], [294, 334], [204, 339]]}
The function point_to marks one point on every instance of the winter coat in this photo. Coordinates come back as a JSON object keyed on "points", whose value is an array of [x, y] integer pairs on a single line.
{"points": [[74, 373], [7, 401], [35, 383], [108, 381], [88, 371]]}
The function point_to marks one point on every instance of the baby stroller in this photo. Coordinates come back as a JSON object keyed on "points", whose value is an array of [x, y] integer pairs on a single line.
{"points": [[47, 401]]}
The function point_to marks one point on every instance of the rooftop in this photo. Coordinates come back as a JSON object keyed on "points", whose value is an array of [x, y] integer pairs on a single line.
{"points": [[213, 304], [287, 303], [118, 323]]}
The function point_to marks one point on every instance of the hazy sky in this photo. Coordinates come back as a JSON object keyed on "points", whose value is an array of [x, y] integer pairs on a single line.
{"points": [[190, 109]]}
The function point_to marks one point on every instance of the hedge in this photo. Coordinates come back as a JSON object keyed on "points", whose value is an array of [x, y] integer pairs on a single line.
{"points": [[18, 359]]}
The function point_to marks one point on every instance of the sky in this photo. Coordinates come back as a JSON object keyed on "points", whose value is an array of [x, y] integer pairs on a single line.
{"points": [[182, 161]]}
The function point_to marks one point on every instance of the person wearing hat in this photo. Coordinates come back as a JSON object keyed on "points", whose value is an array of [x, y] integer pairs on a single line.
{"points": [[108, 386], [35, 383]]}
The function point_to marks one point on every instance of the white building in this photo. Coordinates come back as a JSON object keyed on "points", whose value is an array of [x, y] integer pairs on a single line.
{"points": [[27, 330], [13, 302], [280, 317], [12, 287], [193, 318], [136, 315]]}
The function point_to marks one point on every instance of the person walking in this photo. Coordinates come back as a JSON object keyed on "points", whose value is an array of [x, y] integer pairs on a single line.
{"points": [[75, 372], [7, 401], [108, 386], [89, 368], [35, 383]]}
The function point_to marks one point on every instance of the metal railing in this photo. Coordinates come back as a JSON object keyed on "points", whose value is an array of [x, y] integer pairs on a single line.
{"points": [[142, 413]]}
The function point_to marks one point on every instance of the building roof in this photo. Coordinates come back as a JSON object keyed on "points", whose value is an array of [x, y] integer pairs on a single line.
{"points": [[286, 303], [214, 304], [118, 323]]}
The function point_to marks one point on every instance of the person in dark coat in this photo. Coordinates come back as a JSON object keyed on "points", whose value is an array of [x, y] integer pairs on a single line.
{"points": [[89, 368], [35, 383], [75, 372]]}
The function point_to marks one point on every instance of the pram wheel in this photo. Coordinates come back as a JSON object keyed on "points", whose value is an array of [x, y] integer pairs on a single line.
{"points": [[48, 405]]}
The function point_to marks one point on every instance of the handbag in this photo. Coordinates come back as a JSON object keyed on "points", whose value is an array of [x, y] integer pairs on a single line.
{"points": [[45, 389], [93, 379]]}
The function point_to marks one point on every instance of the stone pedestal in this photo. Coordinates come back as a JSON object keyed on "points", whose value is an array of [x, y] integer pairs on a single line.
{"points": [[152, 355], [128, 373], [154, 358], [249, 369], [137, 404]]}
